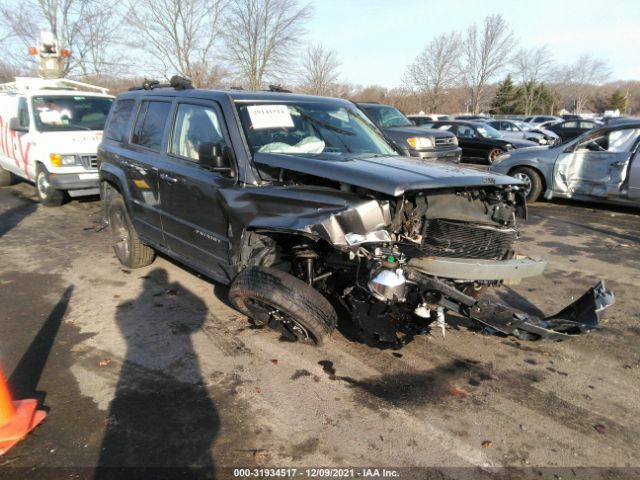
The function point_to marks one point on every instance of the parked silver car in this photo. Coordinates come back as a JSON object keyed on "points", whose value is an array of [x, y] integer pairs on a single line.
{"points": [[602, 165]]}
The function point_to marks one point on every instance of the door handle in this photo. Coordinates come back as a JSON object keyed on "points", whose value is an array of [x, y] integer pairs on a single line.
{"points": [[619, 164], [168, 178]]}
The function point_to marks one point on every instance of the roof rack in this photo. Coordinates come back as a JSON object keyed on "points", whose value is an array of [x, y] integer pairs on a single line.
{"points": [[279, 89], [23, 84], [177, 82]]}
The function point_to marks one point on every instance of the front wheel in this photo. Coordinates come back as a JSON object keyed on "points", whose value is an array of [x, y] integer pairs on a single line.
{"points": [[532, 181], [285, 303], [493, 154], [47, 195]]}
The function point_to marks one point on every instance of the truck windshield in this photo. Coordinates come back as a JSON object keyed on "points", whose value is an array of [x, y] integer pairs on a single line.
{"points": [[70, 112], [386, 117], [310, 128]]}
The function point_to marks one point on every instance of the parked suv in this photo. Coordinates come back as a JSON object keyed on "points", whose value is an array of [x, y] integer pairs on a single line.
{"points": [[303, 207], [412, 140]]}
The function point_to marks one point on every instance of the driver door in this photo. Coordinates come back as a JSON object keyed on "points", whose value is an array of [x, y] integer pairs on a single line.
{"points": [[598, 165]]}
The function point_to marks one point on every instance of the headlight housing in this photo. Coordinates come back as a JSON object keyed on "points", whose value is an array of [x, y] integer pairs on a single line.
{"points": [[501, 158], [60, 160], [509, 147], [420, 142]]}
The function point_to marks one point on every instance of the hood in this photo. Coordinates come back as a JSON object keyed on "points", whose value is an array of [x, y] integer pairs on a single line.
{"points": [[81, 142], [519, 143], [418, 131], [386, 174]]}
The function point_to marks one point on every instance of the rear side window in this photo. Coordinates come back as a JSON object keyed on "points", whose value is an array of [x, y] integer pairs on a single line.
{"points": [[23, 112], [150, 123], [118, 127]]}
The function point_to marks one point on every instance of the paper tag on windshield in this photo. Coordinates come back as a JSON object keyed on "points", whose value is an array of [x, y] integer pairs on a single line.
{"points": [[270, 116]]}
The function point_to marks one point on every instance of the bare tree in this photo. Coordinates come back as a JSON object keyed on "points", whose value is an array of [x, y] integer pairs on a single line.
{"points": [[484, 54], [579, 80], [97, 38], [320, 70], [435, 69], [532, 67], [180, 34], [262, 37]]}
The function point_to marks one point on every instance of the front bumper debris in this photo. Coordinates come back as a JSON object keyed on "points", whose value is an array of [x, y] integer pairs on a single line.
{"points": [[579, 317]]}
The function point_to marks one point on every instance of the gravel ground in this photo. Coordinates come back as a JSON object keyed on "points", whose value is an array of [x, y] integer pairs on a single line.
{"points": [[153, 368]]}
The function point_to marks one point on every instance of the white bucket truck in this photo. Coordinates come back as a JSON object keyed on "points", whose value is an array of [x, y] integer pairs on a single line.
{"points": [[50, 128]]}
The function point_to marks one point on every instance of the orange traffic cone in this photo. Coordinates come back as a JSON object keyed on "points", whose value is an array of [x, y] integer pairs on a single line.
{"points": [[17, 418]]}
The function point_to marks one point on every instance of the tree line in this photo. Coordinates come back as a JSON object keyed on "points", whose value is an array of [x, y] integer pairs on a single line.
{"points": [[253, 43]]}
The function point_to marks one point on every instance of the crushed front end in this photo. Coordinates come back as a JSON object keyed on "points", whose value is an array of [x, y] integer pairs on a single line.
{"points": [[440, 252]]}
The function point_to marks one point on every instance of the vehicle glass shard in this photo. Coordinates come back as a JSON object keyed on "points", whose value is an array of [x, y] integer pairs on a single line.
{"points": [[270, 116]]}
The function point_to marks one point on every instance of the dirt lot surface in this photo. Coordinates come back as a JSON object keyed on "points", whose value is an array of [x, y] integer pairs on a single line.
{"points": [[152, 368]]}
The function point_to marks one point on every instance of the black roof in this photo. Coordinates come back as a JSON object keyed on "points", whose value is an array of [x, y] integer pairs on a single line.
{"points": [[233, 94]]}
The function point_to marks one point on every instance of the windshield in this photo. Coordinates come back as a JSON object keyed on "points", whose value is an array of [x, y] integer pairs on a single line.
{"points": [[68, 113], [524, 125], [386, 117], [488, 132], [310, 128]]}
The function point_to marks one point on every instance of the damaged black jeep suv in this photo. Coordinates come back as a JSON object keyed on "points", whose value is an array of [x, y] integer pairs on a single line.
{"points": [[306, 210]]}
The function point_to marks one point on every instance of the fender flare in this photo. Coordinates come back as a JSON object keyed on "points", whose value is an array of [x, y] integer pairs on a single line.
{"points": [[117, 178]]}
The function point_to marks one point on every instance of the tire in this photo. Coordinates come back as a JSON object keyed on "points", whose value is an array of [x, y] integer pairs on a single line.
{"points": [[6, 178], [532, 178], [493, 154], [285, 303], [46, 194], [127, 246]]}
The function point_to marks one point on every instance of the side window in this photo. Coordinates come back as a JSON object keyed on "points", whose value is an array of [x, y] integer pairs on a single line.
{"points": [[23, 112], [465, 131], [623, 140], [587, 125], [195, 127], [118, 127], [569, 125], [150, 123]]}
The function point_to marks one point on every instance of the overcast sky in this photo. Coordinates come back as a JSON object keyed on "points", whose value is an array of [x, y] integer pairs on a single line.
{"points": [[377, 39]]}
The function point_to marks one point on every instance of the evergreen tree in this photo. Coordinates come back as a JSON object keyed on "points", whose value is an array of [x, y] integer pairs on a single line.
{"points": [[618, 102], [504, 100]]}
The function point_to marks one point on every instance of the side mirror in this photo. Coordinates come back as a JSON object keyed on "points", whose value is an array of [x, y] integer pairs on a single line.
{"points": [[14, 124], [214, 156]]}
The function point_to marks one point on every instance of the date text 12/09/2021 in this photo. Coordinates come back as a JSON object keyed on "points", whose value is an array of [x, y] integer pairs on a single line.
{"points": [[316, 473]]}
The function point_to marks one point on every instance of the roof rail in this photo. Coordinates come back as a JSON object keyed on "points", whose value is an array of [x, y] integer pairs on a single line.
{"points": [[177, 82], [24, 84], [278, 88]]}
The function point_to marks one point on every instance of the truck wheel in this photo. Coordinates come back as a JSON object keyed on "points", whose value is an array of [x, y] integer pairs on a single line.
{"points": [[48, 196], [131, 252], [285, 303], [5, 177], [532, 180], [493, 154]]}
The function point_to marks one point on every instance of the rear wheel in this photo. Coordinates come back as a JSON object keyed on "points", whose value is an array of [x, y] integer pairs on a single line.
{"points": [[5, 177], [285, 303], [127, 246], [493, 154], [532, 181], [48, 195]]}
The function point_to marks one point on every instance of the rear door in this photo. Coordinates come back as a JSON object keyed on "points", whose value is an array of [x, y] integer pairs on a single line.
{"points": [[140, 162], [599, 165], [195, 221]]}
